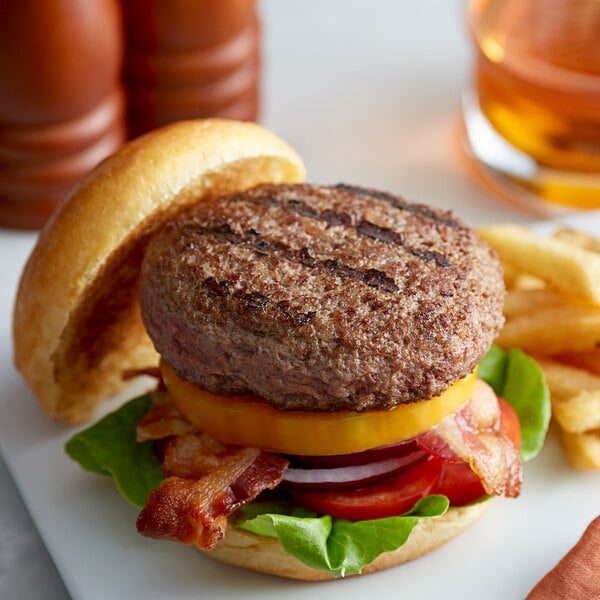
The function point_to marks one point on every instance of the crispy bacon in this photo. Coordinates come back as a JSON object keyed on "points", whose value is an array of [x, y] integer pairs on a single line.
{"points": [[474, 434], [162, 420], [195, 510], [193, 455], [178, 511]]}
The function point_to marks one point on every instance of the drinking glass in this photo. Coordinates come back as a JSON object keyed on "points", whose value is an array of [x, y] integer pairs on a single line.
{"points": [[532, 114]]}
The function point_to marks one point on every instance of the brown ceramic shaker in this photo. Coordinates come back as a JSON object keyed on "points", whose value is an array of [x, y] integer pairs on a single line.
{"points": [[189, 60], [61, 101]]}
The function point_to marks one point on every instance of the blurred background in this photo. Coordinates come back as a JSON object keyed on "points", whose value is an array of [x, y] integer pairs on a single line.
{"points": [[381, 86]]}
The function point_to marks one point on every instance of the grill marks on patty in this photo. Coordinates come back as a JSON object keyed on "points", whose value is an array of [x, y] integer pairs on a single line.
{"points": [[257, 300], [416, 209], [363, 227], [320, 298], [261, 245], [253, 241]]}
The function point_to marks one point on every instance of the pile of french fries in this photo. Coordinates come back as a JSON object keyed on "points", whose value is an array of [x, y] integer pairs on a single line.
{"points": [[552, 311]]}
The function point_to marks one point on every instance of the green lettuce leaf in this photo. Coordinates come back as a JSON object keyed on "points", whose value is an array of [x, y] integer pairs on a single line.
{"points": [[337, 546], [109, 448], [518, 379]]}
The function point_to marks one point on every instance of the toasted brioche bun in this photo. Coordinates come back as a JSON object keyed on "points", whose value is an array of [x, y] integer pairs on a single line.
{"points": [[244, 549], [76, 324]]}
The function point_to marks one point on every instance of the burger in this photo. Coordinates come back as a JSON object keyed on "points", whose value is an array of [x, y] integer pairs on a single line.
{"points": [[318, 355]]}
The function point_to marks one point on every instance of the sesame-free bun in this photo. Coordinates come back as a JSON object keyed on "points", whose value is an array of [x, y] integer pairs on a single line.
{"points": [[76, 325], [257, 553]]}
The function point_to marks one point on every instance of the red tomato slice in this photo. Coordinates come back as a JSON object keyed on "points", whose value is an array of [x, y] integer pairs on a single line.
{"points": [[459, 483], [388, 499], [510, 422]]}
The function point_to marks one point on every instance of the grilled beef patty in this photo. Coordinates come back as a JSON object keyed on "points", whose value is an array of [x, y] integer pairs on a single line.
{"points": [[321, 298]]}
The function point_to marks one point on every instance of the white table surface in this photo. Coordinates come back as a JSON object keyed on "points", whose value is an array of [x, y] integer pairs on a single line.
{"points": [[369, 93]]}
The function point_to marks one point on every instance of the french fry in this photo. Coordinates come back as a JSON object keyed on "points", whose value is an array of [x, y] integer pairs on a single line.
{"points": [[579, 413], [517, 280], [525, 281], [588, 360], [552, 310], [525, 301], [553, 330], [566, 380], [582, 449], [578, 238], [559, 263], [575, 395]]}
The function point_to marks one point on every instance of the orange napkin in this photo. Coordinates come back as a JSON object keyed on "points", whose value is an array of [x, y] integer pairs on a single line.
{"points": [[577, 575]]}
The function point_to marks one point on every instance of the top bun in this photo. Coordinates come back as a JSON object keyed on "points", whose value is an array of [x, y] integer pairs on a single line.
{"points": [[76, 324]]}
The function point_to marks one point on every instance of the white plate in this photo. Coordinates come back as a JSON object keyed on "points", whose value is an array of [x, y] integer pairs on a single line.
{"points": [[90, 532], [379, 112]]}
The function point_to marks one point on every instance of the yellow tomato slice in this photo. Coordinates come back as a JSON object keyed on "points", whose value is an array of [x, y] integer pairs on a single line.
{"points": [[248, 421]]}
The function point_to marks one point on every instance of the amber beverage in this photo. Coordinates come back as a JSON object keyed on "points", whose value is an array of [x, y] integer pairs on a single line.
{"points": [[536, 95]]}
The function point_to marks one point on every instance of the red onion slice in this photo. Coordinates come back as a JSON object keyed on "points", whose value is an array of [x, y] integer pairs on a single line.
{"points": [[376, 454], [351, 476]]}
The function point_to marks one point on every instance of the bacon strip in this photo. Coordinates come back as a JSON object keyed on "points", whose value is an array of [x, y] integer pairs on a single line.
{"points": [[192, 456], [195, 510], [162, 420], [475, 435]]}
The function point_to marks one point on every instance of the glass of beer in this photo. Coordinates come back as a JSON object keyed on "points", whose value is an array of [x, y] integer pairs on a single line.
{"points": [[532, 116]]}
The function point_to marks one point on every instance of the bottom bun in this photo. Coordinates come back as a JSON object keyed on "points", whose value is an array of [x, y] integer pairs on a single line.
{"points": [[249, 551]]}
